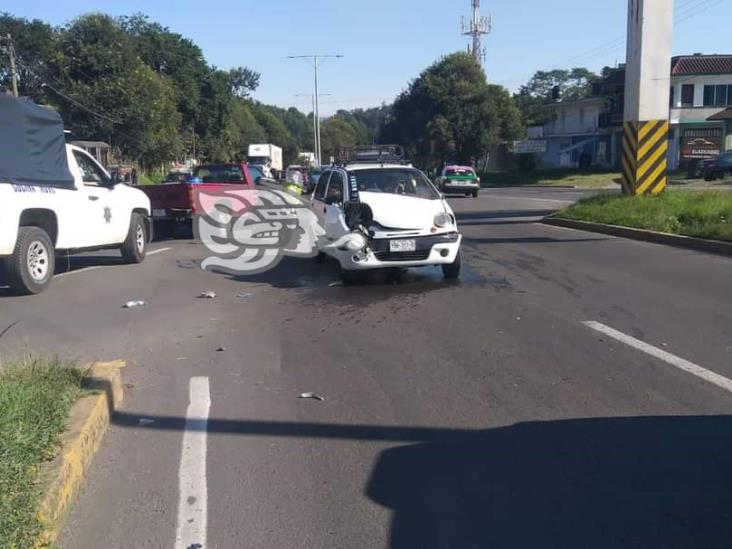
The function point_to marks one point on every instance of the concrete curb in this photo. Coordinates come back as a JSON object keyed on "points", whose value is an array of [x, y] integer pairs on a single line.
{"points": [[88, 421], [718, 247]]}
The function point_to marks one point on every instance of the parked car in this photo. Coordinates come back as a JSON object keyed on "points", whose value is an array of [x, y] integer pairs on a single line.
{"points": [[58, 198], [459, 180], [385, 214], [717, 167]]}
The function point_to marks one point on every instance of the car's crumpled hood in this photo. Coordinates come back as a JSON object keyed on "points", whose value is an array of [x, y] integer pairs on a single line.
{"points": [[403, 212]]}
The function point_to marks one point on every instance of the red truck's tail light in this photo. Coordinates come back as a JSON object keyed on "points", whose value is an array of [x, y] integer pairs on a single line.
{"points": [[189, 190]]}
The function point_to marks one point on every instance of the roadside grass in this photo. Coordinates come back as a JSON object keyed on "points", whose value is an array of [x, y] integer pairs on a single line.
{"points": [[36, 395], [703, 214], [574, 178]]}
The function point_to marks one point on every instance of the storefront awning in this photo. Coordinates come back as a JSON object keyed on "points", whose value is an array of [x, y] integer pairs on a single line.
{"points": [[726, 114]]}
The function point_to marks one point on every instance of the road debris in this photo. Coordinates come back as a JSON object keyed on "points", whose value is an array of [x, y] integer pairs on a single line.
{"points": [[220, 349], [207, 295], [244, 295], [145, 421], [134, 303], [335, 284], [312, 396]]}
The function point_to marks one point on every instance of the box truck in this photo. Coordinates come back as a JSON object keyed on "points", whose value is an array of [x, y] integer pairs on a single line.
{"points": [[268, 158]]}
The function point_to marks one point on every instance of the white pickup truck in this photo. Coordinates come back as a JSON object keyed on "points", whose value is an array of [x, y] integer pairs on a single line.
{"points": [[94, 213]]}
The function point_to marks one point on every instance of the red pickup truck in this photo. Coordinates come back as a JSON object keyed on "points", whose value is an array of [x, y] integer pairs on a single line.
{"points": [[174, 203]]}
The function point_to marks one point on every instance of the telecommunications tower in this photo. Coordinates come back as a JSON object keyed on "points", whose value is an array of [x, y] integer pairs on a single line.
{"points": [[476, 28]]}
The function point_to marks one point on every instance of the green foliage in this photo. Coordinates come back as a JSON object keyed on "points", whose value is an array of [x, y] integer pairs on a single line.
{"points": [[336, 134], [540, 89], [450, 113], [704, 214], [35, 399]]}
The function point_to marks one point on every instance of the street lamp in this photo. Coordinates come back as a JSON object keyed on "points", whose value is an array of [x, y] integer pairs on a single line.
{"points": [[316, 61], [316, 136]]}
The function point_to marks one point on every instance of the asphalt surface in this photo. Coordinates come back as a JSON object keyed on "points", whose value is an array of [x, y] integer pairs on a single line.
{"points": [[480, 413]]}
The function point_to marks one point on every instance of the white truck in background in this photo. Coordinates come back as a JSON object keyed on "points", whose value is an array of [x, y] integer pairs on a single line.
{"points": [[268, 158]]}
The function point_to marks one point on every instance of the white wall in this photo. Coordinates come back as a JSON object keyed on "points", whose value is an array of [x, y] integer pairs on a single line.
{"points": [[575, 118], [699, 82]]}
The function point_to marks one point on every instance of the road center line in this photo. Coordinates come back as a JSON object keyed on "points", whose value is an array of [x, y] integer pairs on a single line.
{"points": [[668, 358], [67, 273], [193, 499], [159, 251]]}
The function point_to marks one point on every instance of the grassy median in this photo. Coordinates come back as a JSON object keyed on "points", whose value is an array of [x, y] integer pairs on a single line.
{"points": [[703, 214], [552, 178], [35, 398]]}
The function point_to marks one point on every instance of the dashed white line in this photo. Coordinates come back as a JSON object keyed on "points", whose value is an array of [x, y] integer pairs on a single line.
{"points": [[67, 273], [95, 267], [158, 251], [193, 499], [678, 362]]}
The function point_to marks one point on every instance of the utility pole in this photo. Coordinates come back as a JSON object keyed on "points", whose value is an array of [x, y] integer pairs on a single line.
{"points": [[316, 135], [477, 27], [13, 69], [316, 61], [647, 85]]}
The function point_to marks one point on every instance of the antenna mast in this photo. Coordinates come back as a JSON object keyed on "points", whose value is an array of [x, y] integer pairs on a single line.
{"points": [[477, 27]]}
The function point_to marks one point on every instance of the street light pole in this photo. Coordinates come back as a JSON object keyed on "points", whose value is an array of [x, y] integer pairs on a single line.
{"points": [[316, 126], [316, 61]]}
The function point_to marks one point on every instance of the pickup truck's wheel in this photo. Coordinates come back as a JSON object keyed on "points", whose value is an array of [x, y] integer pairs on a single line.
{"points": [[451, 271], [135, 246], [30, 269]]}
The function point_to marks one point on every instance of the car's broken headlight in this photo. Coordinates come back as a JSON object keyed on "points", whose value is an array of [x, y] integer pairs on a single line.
{"points": [[443, 220]]}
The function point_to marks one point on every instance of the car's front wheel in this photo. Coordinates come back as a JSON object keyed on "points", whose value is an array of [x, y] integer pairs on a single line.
{"points": [[30, 268], [135, 246], [451, 271]]}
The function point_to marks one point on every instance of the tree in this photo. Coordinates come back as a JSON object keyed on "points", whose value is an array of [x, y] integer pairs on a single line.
{"points": [[243, 81], [336, 134], [450, 113], [547, 86], [35, 42]]}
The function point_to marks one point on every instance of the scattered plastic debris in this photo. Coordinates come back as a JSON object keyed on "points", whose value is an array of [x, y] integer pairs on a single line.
{"points": [[312, 396], [335, 284], [134, 303], [181, 358], [245, 295], [207, 295], [220, 349], [518, 318], [145, 421]]}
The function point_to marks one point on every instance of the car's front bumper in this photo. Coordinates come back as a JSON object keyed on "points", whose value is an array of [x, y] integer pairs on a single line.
{"points": [[439, 249]]}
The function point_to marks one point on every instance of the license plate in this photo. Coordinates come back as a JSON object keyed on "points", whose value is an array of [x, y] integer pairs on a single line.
{"points": [[159, 213], [403, 245]]}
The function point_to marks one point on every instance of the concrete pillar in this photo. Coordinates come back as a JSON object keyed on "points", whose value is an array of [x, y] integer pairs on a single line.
{"points": [[647, 84]]}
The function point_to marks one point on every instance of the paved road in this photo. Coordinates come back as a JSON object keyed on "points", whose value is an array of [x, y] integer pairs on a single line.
{"points": [[482, 413]]}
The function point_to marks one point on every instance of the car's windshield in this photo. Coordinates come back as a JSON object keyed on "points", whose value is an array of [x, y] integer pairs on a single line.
{"points": [[459, 172], [402, 181], [259, 160], [220, 174]]}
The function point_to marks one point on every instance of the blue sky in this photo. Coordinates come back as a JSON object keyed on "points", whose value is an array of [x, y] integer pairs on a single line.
{"points": [[386, 43]]}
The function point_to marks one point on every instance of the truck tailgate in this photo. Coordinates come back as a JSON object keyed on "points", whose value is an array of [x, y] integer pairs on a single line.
{"points": [[178, 199]]}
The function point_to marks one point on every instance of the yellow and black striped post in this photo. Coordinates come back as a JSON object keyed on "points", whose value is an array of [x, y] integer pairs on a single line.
{"points": [[645, 151]]}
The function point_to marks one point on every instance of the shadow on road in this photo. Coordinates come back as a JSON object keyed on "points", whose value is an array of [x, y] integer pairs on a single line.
{"points": [[528, 240], [605, 482], [463, 217]]}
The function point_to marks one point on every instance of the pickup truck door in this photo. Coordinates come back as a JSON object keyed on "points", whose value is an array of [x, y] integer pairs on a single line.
{"points": [[104, 216], [334, 220], [317, 202]]}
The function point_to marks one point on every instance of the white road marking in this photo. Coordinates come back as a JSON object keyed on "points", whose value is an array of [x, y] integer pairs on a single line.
{"points": [[193, 500], [67, 273], [668, 358], [519, 198], [95, 267], [158, 251]]}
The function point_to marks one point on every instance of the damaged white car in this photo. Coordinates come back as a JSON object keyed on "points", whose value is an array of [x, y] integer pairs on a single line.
{"points": [[380, 215]]}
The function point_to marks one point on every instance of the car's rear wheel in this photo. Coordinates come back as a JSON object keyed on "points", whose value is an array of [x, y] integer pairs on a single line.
{"points": [[30, 269], [475, 194], [451, 271], [135, 246]]}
